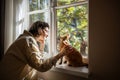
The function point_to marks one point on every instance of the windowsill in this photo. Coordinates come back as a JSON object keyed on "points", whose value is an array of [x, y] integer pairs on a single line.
{"points": [[77, 71]]}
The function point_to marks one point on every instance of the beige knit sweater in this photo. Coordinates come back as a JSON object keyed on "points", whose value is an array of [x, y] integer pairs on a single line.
{"points": [[22, 59]]}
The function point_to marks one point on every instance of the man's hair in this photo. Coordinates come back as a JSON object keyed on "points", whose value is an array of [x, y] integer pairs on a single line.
{"points": [[36, 26]]}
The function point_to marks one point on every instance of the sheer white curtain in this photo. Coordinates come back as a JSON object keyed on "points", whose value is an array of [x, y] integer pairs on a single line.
{"points": [[20, 17], [16, 20]]}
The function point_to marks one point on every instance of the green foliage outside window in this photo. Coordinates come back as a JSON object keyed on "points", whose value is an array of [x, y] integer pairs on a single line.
{"points": [[64, 2], [73, 20]]}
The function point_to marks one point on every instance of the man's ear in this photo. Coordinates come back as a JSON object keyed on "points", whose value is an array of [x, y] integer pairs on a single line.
{"points": [[40, 31]]}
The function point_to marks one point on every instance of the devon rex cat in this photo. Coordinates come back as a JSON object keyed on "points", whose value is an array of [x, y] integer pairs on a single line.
{"points": [[73, 59]]}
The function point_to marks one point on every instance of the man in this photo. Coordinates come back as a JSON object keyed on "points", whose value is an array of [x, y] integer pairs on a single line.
{"points": [[24, 56]]}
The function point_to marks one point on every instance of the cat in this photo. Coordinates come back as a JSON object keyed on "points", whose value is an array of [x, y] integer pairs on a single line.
{"points": [[74, 58]]}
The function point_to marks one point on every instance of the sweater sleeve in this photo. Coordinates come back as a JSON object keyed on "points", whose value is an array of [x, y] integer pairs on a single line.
{"points": [[35, 58]]}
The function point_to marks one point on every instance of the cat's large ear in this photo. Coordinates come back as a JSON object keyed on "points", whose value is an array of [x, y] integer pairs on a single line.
{"points": [[65, 42], [62, 37], [68, 35]]}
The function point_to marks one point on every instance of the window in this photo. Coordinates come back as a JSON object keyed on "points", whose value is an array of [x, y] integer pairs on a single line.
{"points": [[71, 16], [73, 19], [63, 16], [38, 10]]}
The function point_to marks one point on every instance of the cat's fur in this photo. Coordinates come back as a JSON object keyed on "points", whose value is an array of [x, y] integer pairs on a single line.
{"points": [[72, 59]]}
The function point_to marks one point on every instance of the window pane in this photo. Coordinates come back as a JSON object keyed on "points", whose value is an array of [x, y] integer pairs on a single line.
{"points": [[37, 4], [74, 20], [39, 16], [64, 2]]}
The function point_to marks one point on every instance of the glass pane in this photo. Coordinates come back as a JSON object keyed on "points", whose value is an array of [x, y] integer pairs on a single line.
{"points": [[39, 16], [74, 20], [37, 4], [64, 2]]}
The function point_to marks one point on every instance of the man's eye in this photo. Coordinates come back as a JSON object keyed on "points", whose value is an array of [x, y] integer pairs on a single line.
{"points": [[46, 30]]}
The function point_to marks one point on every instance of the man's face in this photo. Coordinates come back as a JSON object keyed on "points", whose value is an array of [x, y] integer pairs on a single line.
{"points": [[43, 34]]}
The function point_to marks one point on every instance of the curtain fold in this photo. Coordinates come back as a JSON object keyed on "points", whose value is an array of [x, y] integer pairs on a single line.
{"points": [[20, 17], [16, 20]]}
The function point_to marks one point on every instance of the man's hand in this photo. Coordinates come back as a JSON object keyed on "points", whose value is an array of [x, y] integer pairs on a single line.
{"points": [[66, 50]]}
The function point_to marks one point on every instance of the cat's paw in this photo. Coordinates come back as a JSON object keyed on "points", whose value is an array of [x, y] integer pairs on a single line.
{"points": [[60, 63], [69, 64], [65, 62]]}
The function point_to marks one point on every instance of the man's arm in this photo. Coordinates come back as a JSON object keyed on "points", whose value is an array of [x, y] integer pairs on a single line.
{"points": [[34, 57]]}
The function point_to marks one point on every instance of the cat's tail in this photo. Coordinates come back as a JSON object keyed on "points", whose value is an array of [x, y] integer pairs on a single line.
{"points": [[84, 64]]}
